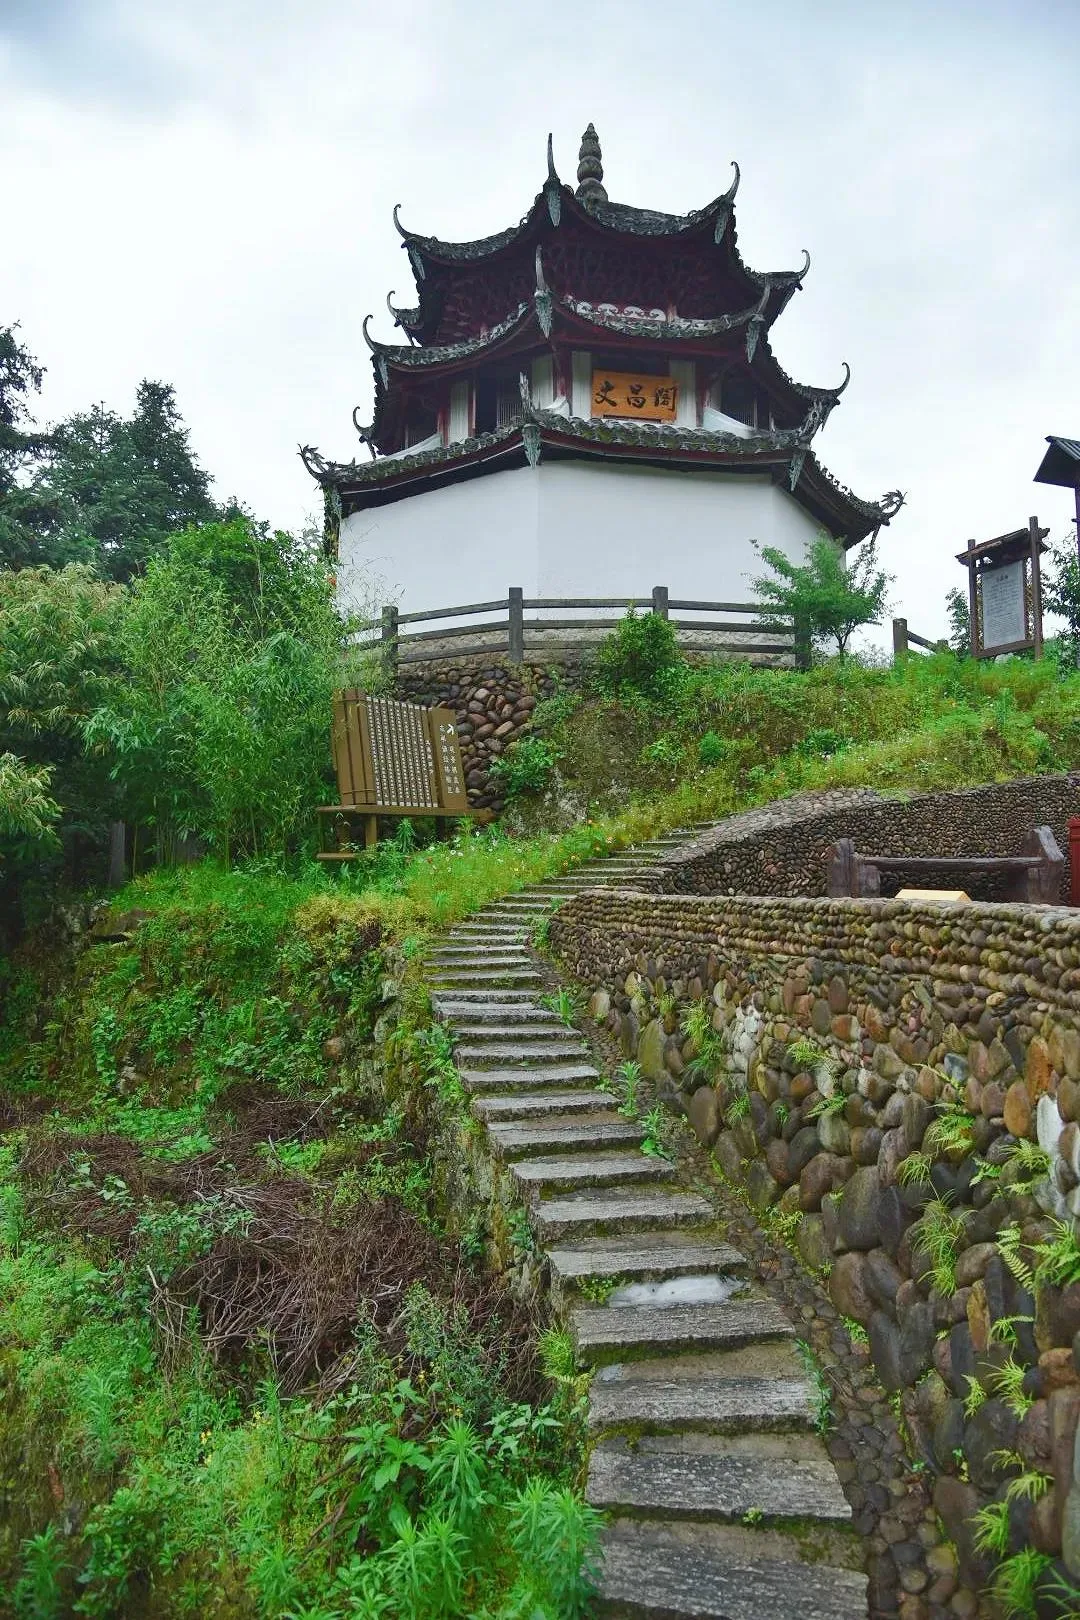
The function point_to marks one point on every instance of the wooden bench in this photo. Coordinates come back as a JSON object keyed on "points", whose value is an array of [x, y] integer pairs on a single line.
{"points": [[1034, 876], [391, 759]]}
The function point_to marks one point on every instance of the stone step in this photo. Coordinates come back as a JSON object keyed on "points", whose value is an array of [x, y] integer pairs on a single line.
{"points": [[587, 1170], [515, 1053], [714, 1486], [530, 1077], [512, 950], [535, 1104], [655, 1578], [520, 1140], [511, 935], [481, 996], [453, 978], [482, 956], [618, 1211], [706, 1403], [611, 1333], [506, 1031], [643, 1259], [494, 1013]]}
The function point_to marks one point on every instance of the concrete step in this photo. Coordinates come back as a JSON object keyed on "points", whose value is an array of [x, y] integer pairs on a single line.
{"points": [[516, 1053], [587, 1170], [657, 1578], [713, 1486], [618, 1210], [530, 1077], [537, 1104], [612, 1333], [523, 1139], [639, 1399], [656, 1258]]}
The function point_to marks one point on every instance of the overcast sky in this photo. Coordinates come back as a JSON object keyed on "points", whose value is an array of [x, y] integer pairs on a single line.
{"points": [[201, 191]]}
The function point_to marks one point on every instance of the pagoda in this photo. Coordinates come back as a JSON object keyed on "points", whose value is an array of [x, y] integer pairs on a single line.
{"points": [[586, 403]]}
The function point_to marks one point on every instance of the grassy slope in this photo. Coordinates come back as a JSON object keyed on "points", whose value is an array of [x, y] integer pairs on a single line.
{"points": [[175, 1110]]}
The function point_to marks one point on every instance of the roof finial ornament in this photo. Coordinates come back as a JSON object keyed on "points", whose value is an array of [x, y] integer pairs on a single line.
{"points": [[590, 170]]}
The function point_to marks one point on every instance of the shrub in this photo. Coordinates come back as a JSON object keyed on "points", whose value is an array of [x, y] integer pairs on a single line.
{"points": [[527, 766], [639, 657], [712, 750]]}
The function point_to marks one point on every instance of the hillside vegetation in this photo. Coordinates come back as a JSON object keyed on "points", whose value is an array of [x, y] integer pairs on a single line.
{"points": [[247, 1369]]}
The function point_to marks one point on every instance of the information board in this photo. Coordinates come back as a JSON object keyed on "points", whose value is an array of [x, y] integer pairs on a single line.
{"points": [[1004, 607]]}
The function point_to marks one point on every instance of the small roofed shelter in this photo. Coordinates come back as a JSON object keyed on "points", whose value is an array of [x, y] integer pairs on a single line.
{"points": [[580, 401], [1061, 465]]}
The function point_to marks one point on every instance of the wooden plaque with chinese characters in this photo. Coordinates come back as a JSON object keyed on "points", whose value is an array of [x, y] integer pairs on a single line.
{"points": [[625, 393]]}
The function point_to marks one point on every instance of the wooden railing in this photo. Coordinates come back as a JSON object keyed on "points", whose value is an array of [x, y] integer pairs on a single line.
{"points": [[504, 629], [905, 640]]}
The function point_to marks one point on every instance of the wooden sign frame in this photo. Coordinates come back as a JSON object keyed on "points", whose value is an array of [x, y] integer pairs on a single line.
{"points": [[1023, 546]]}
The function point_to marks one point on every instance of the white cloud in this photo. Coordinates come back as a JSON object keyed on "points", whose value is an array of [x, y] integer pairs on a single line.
{"points": [[200, 190]]}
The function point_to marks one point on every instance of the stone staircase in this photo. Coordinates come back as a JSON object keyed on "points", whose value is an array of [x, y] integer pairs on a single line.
{"points": [[720, 1498]]}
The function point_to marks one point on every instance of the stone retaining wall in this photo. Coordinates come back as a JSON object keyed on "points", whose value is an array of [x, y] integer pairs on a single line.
{"points": [[493, 703], [915, 1014], [783, 848]]}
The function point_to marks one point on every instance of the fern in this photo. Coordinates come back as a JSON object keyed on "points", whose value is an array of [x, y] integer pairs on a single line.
{"points": [[936, 1237], [914, 1171], [1016, 1582]]}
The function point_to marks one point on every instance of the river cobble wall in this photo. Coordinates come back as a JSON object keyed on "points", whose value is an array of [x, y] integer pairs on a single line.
{"points": [[840, 1039]]}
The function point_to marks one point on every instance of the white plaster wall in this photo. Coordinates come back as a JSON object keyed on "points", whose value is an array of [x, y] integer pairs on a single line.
{"points": [[464, 543], [569, 528], [618, 531]]}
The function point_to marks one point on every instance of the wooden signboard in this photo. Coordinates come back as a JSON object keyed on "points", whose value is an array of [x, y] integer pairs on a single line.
{"points": [[625, 393], [392, 759], [1005, 592]]}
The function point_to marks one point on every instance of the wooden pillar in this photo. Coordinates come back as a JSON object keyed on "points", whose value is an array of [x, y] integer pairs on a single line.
{"points": [[899, 639], [973, 606], [516, 624], [660, 601], [117, 854], [390, 638], [1036, 587]]}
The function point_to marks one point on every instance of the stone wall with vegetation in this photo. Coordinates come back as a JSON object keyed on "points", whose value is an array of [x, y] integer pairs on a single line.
{"points": [[493, 703], [896, 1088], [783, 848]]}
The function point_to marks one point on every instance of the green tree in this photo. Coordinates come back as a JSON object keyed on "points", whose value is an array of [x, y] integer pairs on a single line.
{"points": [[22, 444], [1061, 589], [57, 666], [959, 611], [112, 490], [832, 598], [230, 647]]}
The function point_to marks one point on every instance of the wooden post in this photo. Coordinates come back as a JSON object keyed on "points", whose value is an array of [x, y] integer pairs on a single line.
{"points": [[899, 639], [117, 854], [802, 643], [390, 637], [973, 606], [660, 601], [1036, 587], [516, 624], [841, 879]]}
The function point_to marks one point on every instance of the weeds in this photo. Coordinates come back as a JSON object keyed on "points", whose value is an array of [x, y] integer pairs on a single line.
{"points": [[628, 1081], [565, 1004], [936, 1239], [821, 1392]]}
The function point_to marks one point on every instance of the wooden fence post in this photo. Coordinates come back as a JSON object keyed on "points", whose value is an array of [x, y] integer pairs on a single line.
{"points": [[899, 639], [660, 601], [802, 643], [516, 624], [390, 638]]}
